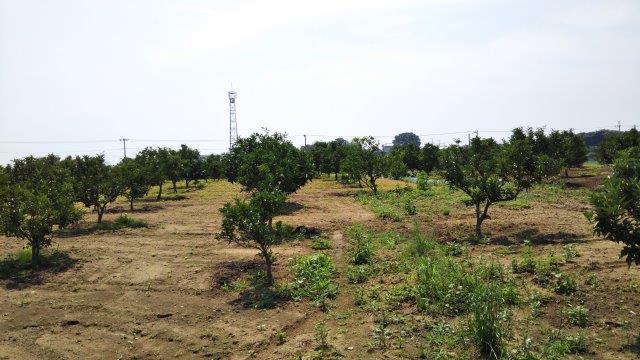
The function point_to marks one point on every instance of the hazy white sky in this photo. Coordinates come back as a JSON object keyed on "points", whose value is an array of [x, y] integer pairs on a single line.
{"points": [[101, 70]]}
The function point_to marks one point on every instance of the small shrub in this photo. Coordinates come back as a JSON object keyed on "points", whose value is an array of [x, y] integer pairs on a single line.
{"points": [[320, 243], [361, 251], [313, 278], [569, 252], [422, 181], [576, 315], [399, 294], [423, 245], [559, 345], [200, 185], [410, 207], [281, 337], [359, 274], [446, 212], [563, 284]]}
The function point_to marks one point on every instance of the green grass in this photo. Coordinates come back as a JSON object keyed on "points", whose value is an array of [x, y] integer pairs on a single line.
{"points": [[361, 247], [576, 315]]}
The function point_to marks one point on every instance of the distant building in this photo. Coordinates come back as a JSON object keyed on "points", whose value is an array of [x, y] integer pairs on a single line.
{"points": [[386, 148]]}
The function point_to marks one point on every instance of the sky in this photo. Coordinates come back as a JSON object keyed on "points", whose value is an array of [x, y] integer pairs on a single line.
{"points": [[76, 76]]}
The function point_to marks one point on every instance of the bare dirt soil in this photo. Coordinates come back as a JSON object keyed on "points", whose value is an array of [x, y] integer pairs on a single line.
{"points": [[161, 292]]}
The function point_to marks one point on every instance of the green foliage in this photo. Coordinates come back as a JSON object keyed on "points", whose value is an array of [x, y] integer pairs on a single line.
{"points": [[36, 194], [313, 278], [172, 165], [365, 162], [395, 167], [410, 207], [576, 315], [151, 161], [429, 157], [213, 167], [406, 138], [249, 222], [614, 143], [409, 155], [361, 249], [192, 165], [268, 162], [617, 205], [488, 172]]}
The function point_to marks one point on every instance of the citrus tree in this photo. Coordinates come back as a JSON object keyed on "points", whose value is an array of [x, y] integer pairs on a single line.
{"points": [[617, 205], [489, 172], [366, 162], [269, 168], [95, 183], [249, 222], [36, 195], [133, 179]]}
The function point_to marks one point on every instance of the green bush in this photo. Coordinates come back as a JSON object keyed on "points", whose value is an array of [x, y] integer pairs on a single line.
{"points": [[361, 250], [410, 207], [576, 315], [359, 274], [569, 252], [564, 284], [422, 181], [320, 243], [313, 278]]}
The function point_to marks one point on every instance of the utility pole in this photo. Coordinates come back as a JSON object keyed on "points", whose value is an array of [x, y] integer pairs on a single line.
{"points": [[124, 146], [469, 139], [305, 141], [618, 125]]}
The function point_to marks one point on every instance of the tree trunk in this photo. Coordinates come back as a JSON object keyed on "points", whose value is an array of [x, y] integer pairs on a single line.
{"points": [[268, 264], [159, 191], [131, 204], [35, 253], [336, 176], [186, 182], [100, 213], [566, 172], [175, 190], [479, 219]]}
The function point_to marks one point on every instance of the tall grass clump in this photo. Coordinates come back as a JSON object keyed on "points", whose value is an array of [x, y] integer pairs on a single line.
{"points": [[443, 286], [489, 326], [123, 221]]}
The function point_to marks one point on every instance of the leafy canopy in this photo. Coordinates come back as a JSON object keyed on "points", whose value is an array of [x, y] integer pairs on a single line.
{"points": [[268, 162], [617, 205]]}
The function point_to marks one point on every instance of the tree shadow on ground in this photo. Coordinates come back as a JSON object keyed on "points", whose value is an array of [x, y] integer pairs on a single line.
{"points": [[122, 222], [537, 238], [633, 346], [254, 293], [146, 208], [18, 273], [291, 207]]}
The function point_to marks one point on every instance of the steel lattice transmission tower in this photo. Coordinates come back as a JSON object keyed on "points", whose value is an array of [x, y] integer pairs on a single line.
{"points": [[233, 123]]}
